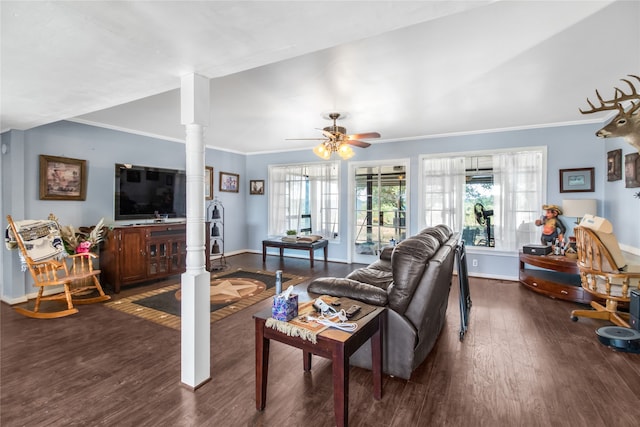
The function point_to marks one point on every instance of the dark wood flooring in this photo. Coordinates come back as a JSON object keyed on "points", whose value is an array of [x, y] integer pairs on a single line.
{"points": [[523, 362]]}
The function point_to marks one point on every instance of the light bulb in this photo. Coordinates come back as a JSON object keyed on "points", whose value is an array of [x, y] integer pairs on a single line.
{"points": [[321, 151], [345, 151]]}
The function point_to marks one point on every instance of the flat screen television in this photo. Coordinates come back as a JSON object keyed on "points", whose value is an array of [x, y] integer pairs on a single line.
{"points": [[143, 192]]}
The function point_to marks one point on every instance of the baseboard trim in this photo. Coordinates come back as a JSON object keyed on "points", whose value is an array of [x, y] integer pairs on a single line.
{"points": [[494, 277], [630, 249], [31, 295]]}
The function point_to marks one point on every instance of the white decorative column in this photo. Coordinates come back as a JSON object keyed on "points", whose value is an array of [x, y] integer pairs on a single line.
{"points": [[195, 326]]}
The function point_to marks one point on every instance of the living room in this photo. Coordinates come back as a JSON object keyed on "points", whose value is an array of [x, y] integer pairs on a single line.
{"points": [[569, 143], [568, 147]]}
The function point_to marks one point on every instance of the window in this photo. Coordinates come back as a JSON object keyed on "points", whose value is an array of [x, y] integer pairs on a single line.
{"points": [[379, 206], [478, 202], [297, 191], [494, 198]]}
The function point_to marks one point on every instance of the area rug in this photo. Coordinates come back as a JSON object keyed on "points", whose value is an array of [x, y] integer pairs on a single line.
{"points": [[230, 292]]}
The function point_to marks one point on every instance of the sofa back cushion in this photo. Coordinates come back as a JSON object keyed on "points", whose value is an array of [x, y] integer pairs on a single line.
{"points": [[427, 308], [408, 263], [441, 232], [385, 253]]}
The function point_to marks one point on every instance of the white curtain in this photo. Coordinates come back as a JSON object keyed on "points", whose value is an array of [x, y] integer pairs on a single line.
{"points": [[444, 186], [277, 201], [298, 189], [324, 198], [518, 194]]}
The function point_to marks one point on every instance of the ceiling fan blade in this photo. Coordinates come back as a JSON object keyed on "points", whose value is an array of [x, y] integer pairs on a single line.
{"points": [[305, 139], [357, 143], [367, 135]]}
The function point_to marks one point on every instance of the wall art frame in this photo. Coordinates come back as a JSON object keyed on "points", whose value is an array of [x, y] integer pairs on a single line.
{"points": [[256, 186], [632, 170], [208, 182], [577, 180], [62, 178], [614, 165], [229, 182]]}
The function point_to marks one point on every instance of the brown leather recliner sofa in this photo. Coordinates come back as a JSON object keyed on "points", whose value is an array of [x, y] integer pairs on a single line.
{"points": [[412, 280]]}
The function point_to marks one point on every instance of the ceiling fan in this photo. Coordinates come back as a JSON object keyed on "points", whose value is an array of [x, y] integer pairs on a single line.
{"points": [[336, 140]]}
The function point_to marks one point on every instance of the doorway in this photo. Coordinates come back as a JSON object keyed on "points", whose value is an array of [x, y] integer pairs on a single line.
{"points": [[379, 214]]}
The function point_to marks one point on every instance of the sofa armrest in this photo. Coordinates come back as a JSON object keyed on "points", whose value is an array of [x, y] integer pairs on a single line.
{"points": [[341, 287]]}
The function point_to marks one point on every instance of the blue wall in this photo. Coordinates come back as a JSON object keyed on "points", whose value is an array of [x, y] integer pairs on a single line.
{"points": [[621, 205], [246, 215], [102, 149], [567, 147]]}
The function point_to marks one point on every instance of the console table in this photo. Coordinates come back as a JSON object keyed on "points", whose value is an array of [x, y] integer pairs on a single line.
{"points": [[556, 276], [305, 246]]}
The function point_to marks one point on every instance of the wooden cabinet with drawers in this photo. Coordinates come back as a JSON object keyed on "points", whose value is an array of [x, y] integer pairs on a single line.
{"points": [[555, 276], [139, 253]]}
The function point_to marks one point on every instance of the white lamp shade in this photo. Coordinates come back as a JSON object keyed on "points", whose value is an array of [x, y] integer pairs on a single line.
{"points": [[579, 207]]}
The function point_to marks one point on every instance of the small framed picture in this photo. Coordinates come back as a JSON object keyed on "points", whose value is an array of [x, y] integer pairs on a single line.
{"points": [[208, 182], [229, 182], [256, 186], [632, 170], [577, 180], [62, 178], [614, 165]]}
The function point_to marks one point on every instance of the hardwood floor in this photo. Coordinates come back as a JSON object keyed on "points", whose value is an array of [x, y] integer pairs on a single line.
{"points": [[523, 362]]}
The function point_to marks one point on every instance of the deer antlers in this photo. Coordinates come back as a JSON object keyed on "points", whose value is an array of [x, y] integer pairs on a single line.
{"points": [[625, 124], [618, 97]]}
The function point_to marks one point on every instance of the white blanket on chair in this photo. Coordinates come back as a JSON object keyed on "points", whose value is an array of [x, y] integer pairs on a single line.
{"points": [[41, 238]]}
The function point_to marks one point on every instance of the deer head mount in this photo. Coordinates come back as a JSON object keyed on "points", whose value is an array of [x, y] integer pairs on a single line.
{"points": [[626, 123]]}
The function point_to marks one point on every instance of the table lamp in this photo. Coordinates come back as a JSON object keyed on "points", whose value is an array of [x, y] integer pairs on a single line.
{"points": [[579, 207]]}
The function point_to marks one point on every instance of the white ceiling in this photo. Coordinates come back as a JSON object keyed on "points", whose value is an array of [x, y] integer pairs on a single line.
{"points": [[404, 69]]}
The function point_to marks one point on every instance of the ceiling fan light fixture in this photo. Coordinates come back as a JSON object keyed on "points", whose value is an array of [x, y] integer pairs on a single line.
{"points": [[337, 140], [322, 151], [345, 151]]}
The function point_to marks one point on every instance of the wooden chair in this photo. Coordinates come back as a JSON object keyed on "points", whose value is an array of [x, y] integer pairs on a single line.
{"points": [[604, 271], [75, 274]]}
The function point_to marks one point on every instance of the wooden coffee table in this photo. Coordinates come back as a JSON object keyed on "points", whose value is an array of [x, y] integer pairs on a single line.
{"points": [[303, 246], [332, 344]]}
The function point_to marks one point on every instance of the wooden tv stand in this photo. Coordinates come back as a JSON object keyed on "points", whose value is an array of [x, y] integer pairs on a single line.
{"points": [[144, 252], [556, 276]]}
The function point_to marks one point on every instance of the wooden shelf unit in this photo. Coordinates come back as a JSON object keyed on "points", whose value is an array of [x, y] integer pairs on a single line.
{"points": [[215, 233], [556, 277], [139, 253]]}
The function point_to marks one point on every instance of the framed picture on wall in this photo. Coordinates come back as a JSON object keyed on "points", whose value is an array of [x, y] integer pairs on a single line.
{"points": [[256, 186], [62, 178], [208, 182], [614, 165], [229, 182], [632, 170], [577, 180]]}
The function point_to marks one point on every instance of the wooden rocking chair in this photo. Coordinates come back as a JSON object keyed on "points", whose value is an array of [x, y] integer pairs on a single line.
{"points": [[78, 279], [604, 272]]}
